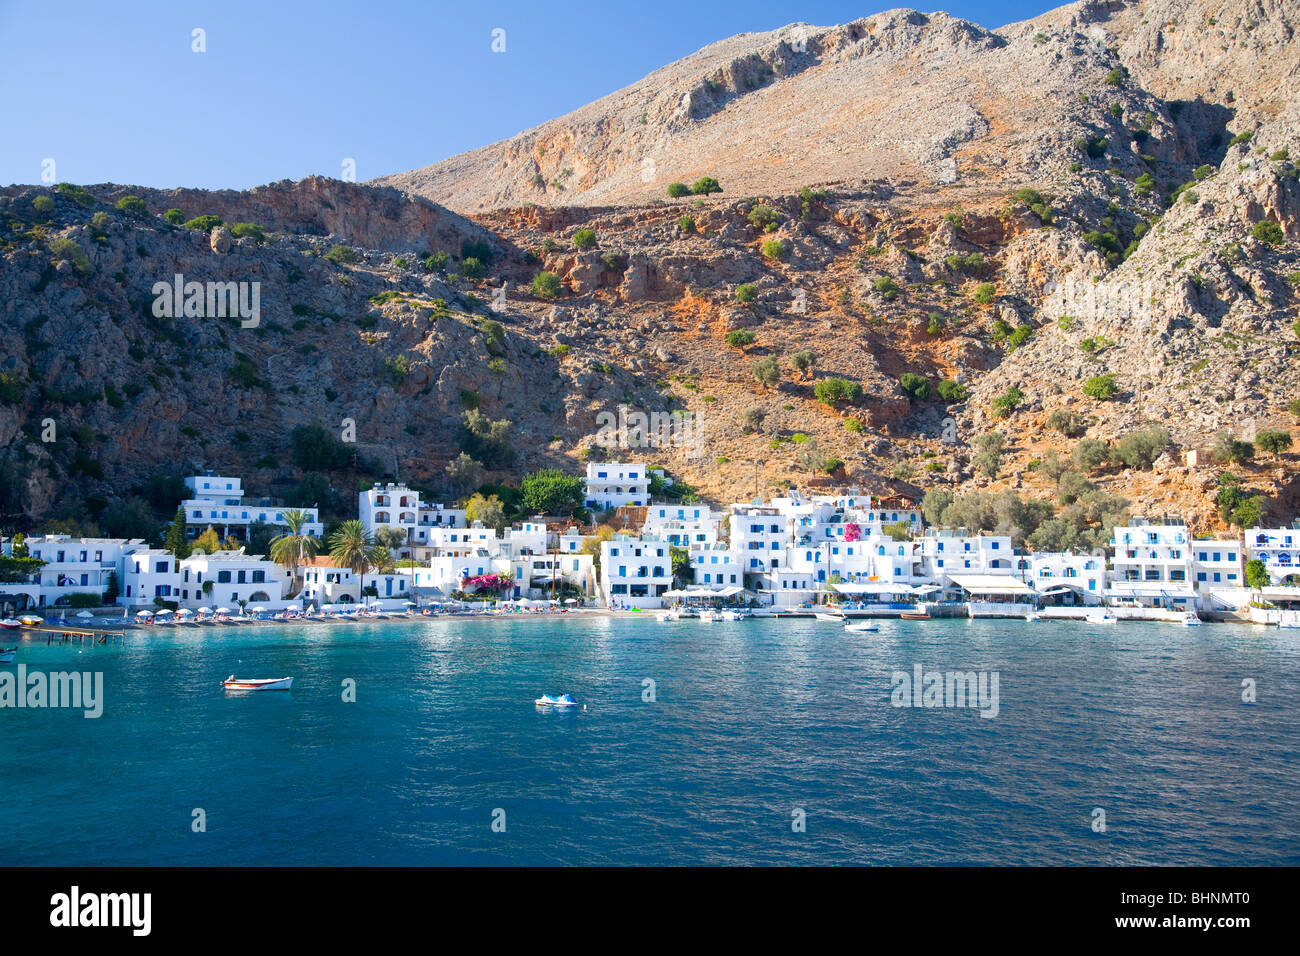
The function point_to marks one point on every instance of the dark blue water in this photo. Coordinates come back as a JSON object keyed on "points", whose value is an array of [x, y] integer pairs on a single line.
{"points": [[752, 721]]}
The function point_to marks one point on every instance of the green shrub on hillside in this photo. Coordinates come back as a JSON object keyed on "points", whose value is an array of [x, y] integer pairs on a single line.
{"points": [[546, 285]]}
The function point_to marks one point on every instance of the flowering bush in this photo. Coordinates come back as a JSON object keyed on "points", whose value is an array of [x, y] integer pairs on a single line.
{"points": [[852, 532], [487, 582]]}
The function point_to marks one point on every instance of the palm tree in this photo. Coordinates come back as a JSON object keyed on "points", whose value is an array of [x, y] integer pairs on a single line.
{"points": [[353, 547], [292, 548]]}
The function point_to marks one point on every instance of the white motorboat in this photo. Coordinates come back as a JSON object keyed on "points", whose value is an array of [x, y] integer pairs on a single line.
{"points": [[708, 615], [1190, 619], [274, 683], [833, 617], [738, 614], [560, 702], [669, 615], [7, 654], [11, 623], [862, 627], [1032, 616], [1106, 618]]}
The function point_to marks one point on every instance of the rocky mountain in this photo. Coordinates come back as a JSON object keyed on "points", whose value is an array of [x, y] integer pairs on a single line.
{"points": [[1074, 230]]}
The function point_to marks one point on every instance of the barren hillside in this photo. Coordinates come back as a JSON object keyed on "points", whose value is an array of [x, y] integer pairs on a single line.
{"points": [[977, 228]]}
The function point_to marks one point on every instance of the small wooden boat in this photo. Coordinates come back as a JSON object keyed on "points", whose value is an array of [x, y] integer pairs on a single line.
{"points": [[275, 683], [7, 654], [862, 627], [915, 616]]}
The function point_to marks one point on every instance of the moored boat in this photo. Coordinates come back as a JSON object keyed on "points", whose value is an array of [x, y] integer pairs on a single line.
{"points": [[738, 614], [1190, 619], [562, 701], [708, 615], [915, 616], [7, 654], [12, 623], [274, 683], [833, 617], [667, 615], [862, 627], [31, 620]]}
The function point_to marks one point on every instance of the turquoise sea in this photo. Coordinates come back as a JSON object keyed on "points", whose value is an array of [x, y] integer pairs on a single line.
{"points": [[751, 723]]}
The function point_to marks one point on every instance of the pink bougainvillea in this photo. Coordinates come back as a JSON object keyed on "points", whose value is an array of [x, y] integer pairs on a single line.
{"points": [[852, 532], [487, 582]]}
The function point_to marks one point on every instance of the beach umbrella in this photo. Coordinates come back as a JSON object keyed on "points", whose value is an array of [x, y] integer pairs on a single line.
{"points": [[223, 610], [144, 613], [163, 613], [205, 610], [84, 614], [257, 609], [184, 612], [410, 604]]}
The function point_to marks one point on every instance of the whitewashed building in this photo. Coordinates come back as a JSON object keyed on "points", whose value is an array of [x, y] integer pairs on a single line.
{"points": [[396, 506], [943, 552], [1152, 564], [219, 501], [73, 566], [715, 564], [149, 573], [759, 537], [227, 578], [1066, 578], [635, 571], [1279, 549], [611, 485], [684, 526]]}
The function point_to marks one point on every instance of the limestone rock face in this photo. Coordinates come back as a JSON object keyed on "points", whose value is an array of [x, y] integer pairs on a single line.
{"points": [[220, 240]]}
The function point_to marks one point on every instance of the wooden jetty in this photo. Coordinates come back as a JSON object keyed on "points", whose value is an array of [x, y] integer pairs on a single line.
{"points": [[59, 634]]}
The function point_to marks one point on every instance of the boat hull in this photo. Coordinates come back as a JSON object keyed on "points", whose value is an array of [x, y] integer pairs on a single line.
{"points": [[280, 683]]}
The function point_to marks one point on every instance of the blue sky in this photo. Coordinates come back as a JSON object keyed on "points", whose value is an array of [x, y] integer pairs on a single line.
{"points": [[112, 92]]}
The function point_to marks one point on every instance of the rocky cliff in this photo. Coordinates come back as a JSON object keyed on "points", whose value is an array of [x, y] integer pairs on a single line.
{"points": [[1105, 194]]}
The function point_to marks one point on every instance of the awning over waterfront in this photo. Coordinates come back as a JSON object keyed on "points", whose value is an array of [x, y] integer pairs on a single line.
{"points": [[990, 584], [849, 587], [1150, 590], [703, 591]]}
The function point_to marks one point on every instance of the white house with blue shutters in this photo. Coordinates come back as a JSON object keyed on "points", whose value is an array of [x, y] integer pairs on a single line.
{"points": [[635, 571], [612, 484]]}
